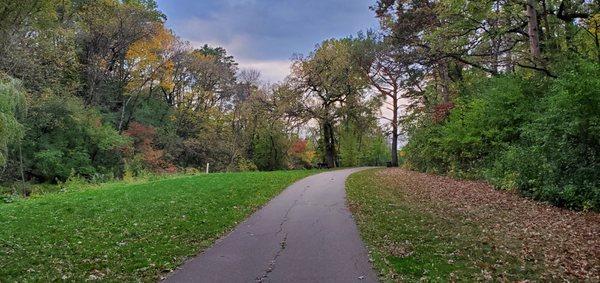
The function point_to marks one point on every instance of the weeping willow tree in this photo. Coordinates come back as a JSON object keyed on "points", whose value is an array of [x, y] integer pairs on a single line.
{"points": [[12, 108]]}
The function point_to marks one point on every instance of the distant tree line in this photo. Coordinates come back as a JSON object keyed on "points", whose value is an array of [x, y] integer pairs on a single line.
{"points": [[102, 90]]}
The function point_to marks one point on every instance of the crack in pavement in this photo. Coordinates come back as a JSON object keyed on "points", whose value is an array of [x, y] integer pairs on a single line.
{"points": [[283, 243], [271, 265]]}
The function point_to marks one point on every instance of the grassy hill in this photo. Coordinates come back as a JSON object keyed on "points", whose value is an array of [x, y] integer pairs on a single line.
{"points": [[127, 232]]}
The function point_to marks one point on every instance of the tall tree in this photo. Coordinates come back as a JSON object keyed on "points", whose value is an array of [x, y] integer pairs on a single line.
{"points": [[325, 81], [386, 75], [109, 29], [147, 60], [533, 30]]}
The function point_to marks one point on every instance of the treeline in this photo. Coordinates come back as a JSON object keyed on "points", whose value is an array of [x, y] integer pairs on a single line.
{"points": [[102, 90], [502, 90]]}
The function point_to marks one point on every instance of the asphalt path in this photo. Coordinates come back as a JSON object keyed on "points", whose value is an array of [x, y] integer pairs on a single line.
{"points": [[305, 234]]}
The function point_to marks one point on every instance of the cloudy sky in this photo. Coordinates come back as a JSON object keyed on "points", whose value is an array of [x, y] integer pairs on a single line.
{"points": [[264, 34]]}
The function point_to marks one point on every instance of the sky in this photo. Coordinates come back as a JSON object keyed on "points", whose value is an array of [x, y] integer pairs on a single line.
{"points": [[265, 34]]}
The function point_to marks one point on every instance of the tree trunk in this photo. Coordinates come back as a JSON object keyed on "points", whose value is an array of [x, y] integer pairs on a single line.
{"points": [[443, 69], [23, 187], [533, 31], [597, 39], [395, 131], [547, 33], [122, 119], [329, 142]]}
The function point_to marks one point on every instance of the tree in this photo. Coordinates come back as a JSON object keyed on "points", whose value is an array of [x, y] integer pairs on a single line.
{"points": [[147, 60], [323, 83], [65, 138], [261, 126], [37, 44], [12, 105], [446, 37], [109, 29], [386, 75]]}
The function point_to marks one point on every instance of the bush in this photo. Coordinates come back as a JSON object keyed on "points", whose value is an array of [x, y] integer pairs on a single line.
{"points": [[360, 148], [533, 134], [484, 122], [245, 165], [270, 149], [423, 152], [349, 147], [301, 154], [146, 155], [567, 137], [65, 138], [377, 151]]}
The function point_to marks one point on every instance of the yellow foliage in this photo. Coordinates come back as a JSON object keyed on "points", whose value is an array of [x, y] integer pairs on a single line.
{"points": [[309, 156], [402, 153], [150, 59], [594, 24]]}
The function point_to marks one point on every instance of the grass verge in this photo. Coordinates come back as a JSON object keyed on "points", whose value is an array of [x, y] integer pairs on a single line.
{"points": [[423, 227], [128, 232]]}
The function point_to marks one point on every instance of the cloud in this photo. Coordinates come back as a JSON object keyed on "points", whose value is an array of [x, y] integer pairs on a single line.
{"points": [[265, 33], [270, 70]]}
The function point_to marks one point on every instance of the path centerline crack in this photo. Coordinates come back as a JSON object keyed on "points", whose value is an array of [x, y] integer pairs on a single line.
{"points": [[283, 243]]}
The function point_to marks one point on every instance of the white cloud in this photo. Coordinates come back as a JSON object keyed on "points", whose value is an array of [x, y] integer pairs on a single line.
{"points": [[270, 70]]}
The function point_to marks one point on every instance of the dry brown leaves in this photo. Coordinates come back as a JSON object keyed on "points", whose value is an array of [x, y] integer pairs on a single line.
{"points": [[566, 242]]}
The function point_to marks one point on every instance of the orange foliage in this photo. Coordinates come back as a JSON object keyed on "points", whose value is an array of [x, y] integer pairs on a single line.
{"points": [[301, 153], [143, 137], [299, 146]]}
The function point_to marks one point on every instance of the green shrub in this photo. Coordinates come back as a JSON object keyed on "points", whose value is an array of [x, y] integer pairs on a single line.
{"points": [[64, 138], [538, 135], [567, 136], [377, 152], [349, 151]]}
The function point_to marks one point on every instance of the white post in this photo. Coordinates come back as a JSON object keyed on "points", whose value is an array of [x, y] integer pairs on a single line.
{"points": [[207, 165]]}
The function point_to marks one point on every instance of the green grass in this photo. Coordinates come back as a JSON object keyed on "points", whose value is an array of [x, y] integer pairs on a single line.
{"points": [[128, 232], [408, 242]]}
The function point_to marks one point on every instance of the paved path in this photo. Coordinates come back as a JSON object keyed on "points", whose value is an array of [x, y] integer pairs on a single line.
{"points": [[306, 234]]}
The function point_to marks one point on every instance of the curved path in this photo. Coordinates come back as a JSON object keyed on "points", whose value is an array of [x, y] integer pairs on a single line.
{"points": [[306, 234]]}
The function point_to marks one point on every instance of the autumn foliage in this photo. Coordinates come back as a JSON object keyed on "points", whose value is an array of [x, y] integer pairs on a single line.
{"points": [[441, 111], [301, 154], [144, 148]]}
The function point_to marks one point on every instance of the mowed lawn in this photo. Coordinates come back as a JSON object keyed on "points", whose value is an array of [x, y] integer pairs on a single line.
{"points": [[425, 227], [128, 232]]}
